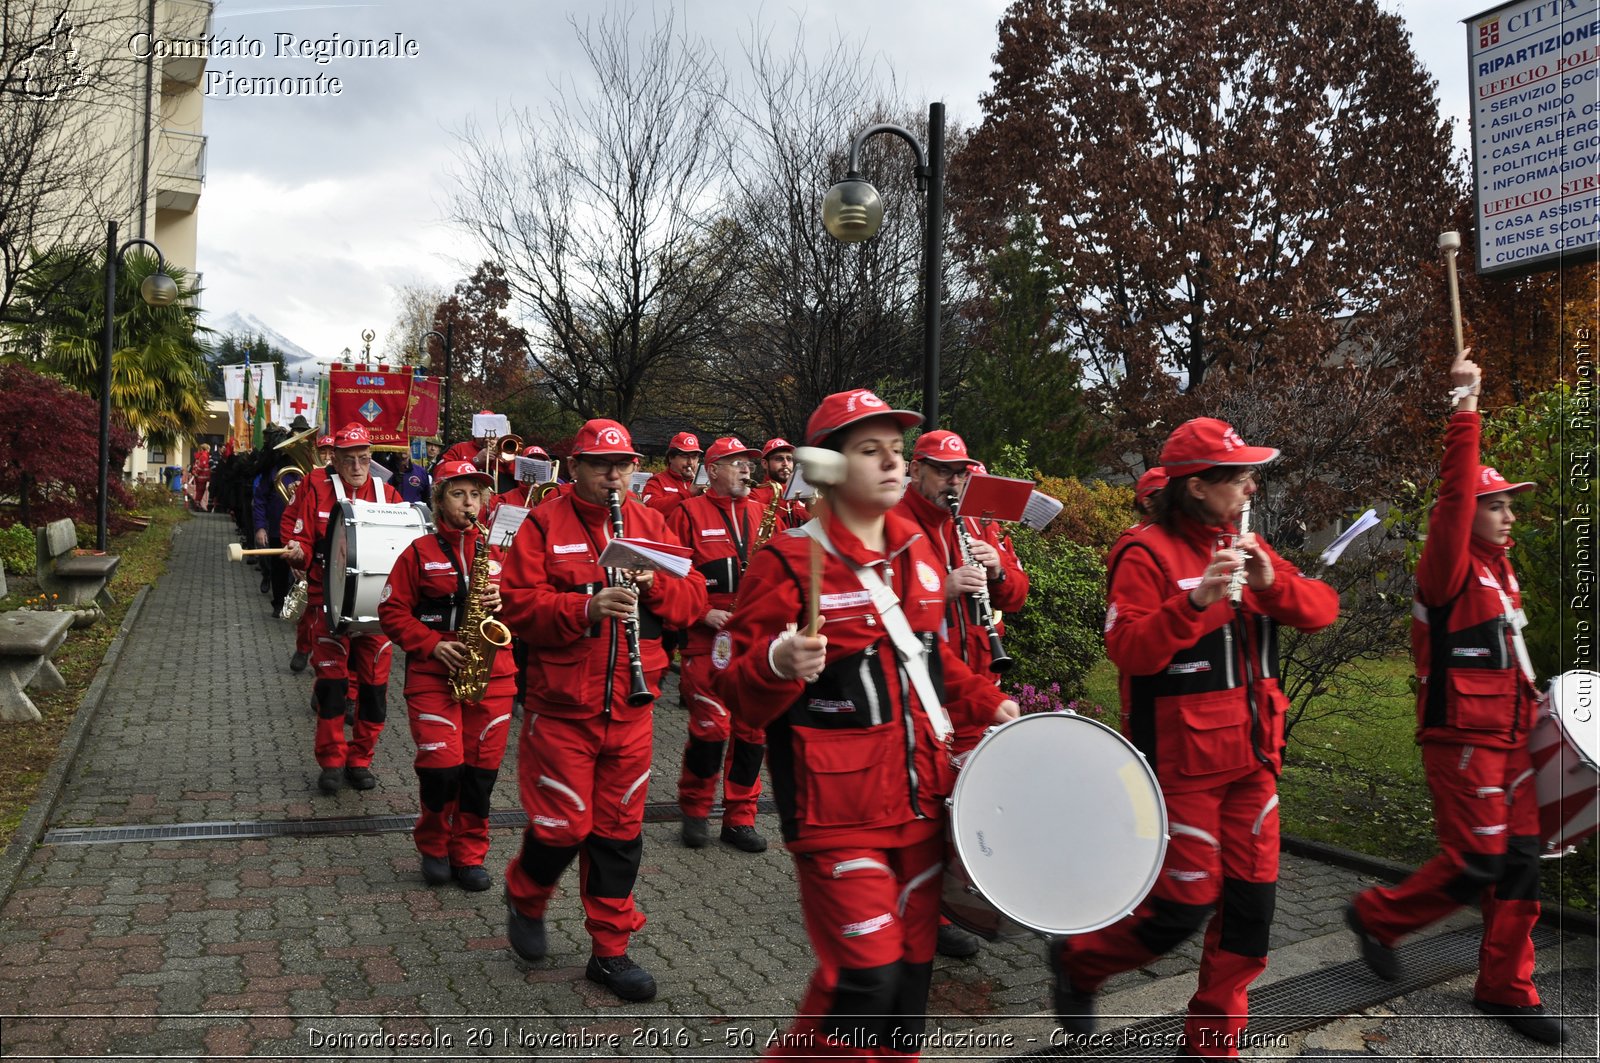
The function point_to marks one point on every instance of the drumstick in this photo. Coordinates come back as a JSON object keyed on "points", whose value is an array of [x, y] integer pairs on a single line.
{"points": [[822, 468], [813, 603], [1450, 243], [239, 553]]}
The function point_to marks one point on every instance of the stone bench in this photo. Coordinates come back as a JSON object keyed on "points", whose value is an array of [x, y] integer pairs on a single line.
{"points": [[79, 580], [27, 641]]}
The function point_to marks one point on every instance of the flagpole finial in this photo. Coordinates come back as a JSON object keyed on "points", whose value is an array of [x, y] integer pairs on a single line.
{"points": [[367, 336]]}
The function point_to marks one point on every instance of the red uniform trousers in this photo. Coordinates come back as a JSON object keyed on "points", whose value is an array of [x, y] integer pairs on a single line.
{"points": [[710, 726], [336, 660], [584, 784], [311, 622], [1486, 816], [459, 749], [1224, 848], [872, 917]]}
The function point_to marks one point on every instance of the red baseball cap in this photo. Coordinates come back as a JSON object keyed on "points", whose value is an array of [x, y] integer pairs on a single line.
{"points": [[1153, 480], [462, 470], [1490, 482], [1197, 445], [324, 441], [943, 446], [727, 447], [845, 408], [534, 450], [774, 445], [603, 437], [352, 435], [684, 442]]}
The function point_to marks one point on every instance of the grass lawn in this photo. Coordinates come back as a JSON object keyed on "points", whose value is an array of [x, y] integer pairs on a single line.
{"points": [[1353, 778], [27, 750]]}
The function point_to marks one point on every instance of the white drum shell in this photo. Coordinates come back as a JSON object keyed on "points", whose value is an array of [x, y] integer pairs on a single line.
{"points": [[1059, 823], [1565, 748], [365, 540]]}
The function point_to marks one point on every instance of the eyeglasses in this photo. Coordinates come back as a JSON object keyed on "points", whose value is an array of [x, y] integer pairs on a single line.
{"points": [[599, 464], [741, 466], [947, 472], [359, 459]]}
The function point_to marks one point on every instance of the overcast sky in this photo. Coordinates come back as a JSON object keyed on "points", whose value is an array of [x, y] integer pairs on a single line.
{"points": [[316, 207]]}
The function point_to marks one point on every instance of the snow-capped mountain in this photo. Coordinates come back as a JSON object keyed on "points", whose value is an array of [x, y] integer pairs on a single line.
{"points": [[241, 325]]}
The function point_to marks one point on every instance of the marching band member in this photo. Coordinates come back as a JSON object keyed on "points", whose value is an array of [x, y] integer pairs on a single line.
{"points": [[324, 450], [468, 449], [584, 755], [719, 526], [1476, 707], [1201, 700], [460, 744], [859, 756], [777, 457], [1150, 482], [338, 658], [666, 489], [311, 620], [940, 466]]}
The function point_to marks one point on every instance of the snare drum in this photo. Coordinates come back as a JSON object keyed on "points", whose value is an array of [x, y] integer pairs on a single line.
{"points": [[1056, 826], [364, 540], [1565, 747]]}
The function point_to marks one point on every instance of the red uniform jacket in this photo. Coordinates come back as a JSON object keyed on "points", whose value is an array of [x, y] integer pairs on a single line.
{"points": [[305, 520], [466, 450], [576, 667], [853, 756], [719, 530], [426, 597], [1200, 692], [664, 491], [791, 514], [1472, 688], [1005, 594]]}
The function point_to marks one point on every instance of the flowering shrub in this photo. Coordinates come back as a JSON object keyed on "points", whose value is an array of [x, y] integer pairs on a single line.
{"points": [[1048, 699]]}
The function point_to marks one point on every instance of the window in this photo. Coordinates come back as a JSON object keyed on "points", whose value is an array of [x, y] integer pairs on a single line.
{"points": [[158, 454]]}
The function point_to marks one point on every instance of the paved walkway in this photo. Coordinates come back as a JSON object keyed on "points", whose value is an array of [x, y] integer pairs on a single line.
{"points": [[329, 944]]}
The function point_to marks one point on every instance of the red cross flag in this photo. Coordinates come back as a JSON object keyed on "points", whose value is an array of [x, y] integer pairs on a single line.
{"points": [[296, 400]]}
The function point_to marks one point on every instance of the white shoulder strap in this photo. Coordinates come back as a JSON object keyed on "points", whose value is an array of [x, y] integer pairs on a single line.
{"points": [[1516, 619], [907, 647]]}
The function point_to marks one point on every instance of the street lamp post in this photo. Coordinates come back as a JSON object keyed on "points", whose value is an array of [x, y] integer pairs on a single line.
{"points": [[158, 289], [444, 338], [852, 212]]}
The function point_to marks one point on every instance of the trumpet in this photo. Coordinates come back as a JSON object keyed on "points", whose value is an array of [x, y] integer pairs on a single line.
{"points": [[639, 689], [1000, 661]]}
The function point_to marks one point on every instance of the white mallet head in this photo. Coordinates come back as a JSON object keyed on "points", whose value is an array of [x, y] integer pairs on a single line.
{"points": [[820, 465], [1450, 241], [235, 552]]}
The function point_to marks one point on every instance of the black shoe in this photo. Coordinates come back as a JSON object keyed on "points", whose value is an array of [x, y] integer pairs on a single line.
{"points": [[360, 778], [955, 942], [435, 869], [266, 584], [297, 663], [1381, 959], [331, 780], [744, 839], [1074, 1008], [1530, 1020], [526, 934], [622, 976], [473, 879], [696, 832]]}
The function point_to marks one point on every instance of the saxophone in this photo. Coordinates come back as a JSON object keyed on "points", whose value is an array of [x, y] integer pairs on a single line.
{"points": [[481, 633], [769, 519]]}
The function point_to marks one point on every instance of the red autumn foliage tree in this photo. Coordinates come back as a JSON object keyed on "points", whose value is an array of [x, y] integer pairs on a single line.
{"points": [[49, 442]]}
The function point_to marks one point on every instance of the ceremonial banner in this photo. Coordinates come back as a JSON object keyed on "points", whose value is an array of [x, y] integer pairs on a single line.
{"points": [[297, 400], [422, 419], [377, 399], [263, 380]]}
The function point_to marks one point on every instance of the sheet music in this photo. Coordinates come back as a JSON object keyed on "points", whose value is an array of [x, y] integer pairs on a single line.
{"points": [[798, 490], [507, 519], [638, 480], [1339, 545], [645, 554], [490, 424], [701, 477], [533, 470], [1040, 511]]}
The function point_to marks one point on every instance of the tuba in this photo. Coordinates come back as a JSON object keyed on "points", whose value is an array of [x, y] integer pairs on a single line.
{"points": [[481, 633], [302, 450]]}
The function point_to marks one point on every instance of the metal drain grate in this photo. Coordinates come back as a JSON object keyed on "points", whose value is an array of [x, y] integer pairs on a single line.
{"points": [[654, 812], [1308, 1000]]}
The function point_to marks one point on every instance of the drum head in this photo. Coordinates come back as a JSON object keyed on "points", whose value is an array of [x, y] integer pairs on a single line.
{"points": [[1575, 703], [1059, 823], [335, 586]]}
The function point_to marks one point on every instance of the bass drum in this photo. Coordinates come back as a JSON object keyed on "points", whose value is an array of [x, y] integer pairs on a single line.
{"points": [[1565, 748], [1057, 826], [365, 539]]}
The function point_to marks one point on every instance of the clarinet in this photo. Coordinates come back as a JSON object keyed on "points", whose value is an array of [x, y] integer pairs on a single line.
{"points": [[999, 661], [1236, 581], [639, 692]]}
